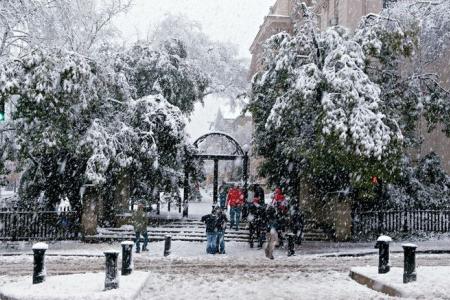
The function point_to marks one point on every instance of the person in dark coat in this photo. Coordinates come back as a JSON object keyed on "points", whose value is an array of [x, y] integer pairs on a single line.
{"points": [[210, 221], [258, 193], [272, 231], [252, 223], [296, 223], [221, 225], [261, 224], [223, 192], [140, 223]]}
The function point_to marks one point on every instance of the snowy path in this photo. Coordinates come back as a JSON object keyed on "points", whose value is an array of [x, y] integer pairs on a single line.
{"points": [[232, 283], [242, 273]]}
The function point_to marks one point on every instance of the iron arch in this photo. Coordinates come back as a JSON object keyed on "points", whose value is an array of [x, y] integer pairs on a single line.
{"points": [[238, 148], [236, 154]]}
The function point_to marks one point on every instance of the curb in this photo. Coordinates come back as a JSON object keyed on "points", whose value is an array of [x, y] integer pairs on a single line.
{"points": [[141, 288], [368, 253], [134, 296], [51, 254], [375, 285]]}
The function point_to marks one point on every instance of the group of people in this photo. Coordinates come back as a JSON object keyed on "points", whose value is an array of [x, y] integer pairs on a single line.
{"points": [[268, 223]]}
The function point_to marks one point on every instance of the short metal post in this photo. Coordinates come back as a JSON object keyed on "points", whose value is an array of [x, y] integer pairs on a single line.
{"points": [[167, 245], [112, 278], [409, 273], [383, 261], [127, 257], [291, 244], [39, 270]]}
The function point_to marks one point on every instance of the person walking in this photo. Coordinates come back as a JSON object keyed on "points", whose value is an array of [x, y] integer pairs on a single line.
{"points": [[252, 223], [235, 200], [140, 223], [272, 232], [221, 226], [210, 221], [223, 191], [279, 200], [258, 194], [261, 224], [247, 203], [297, 223]]}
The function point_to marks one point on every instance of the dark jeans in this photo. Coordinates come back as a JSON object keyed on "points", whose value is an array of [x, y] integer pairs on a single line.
{"points": [[235, 217], [211, 242], [138, 241], [252, 233], [221, 242]]}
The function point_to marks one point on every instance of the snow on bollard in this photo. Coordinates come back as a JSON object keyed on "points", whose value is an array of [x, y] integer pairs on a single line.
{"points": [[112, 278], [383, 261], [291, 244], [127, 257], [167, 245], [39, 270], [409, 273]]}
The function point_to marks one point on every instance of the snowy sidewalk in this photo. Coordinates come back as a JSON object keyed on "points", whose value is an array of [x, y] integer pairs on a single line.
{"points": [[432, 282], [243, 273], [308, 247]]}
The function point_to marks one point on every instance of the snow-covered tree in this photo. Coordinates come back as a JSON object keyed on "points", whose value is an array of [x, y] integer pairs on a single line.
{"points": [[166, 71], [333, 108], [82, 121], [217, 60], [75, 25]]}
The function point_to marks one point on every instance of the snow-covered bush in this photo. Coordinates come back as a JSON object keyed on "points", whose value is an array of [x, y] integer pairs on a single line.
{"points": [[425, 186]]}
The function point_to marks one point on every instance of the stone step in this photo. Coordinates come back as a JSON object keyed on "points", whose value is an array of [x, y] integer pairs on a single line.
{"points": [[170, 230], [178, 234], [108, 238]]}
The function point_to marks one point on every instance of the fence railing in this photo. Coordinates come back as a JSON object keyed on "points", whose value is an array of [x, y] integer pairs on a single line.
{"points": [[47, 225], [437, 221]]}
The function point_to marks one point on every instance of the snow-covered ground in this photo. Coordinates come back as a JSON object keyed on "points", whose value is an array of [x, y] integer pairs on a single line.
{"points": [[432, 282], [189, 273], [85, 286], [237, 283]]}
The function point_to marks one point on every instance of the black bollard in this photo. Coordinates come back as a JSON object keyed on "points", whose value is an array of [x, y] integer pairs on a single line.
{"points": [[167, 244], [291, 244], [39, 270], [409, 273], [127, 257], [112, 278], [383, 261]]}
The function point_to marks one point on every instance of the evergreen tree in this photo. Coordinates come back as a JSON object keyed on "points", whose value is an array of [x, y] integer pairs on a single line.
{"points": [[332, 108]]}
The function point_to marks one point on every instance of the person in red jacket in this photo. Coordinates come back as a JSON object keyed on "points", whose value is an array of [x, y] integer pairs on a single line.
{"points": [[279, 200], [235, 199]]}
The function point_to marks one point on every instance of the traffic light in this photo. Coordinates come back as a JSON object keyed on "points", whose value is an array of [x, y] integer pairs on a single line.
{"points": [[2, 111]]}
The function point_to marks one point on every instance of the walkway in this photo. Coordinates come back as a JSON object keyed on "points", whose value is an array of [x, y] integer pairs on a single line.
{"points": [[188, 273]]}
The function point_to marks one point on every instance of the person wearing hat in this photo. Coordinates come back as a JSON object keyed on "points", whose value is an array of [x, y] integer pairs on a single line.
{"points": [[140, 223]]}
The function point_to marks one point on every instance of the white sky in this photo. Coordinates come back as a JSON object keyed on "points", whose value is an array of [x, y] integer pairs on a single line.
{"points": [[235, 21]]}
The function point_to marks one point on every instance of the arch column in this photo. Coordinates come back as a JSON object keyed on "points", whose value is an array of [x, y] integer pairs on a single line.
{"points": [[216, 181]]}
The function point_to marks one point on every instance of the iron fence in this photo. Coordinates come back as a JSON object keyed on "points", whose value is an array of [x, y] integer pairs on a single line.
{"points": [[42, 225], [410, 221]]}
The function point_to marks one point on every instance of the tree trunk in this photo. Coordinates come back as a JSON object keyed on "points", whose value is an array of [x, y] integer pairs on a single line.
{"points": [[89, 217], [121, 196]]}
